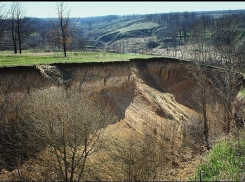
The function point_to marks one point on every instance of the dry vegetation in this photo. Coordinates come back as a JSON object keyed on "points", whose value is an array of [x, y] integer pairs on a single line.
{"points": [[61, 124], [54, 133]]}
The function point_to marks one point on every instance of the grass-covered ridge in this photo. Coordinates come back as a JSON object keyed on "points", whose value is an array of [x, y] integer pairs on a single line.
{"points": [[225, 162], [138, 26], [29, 59]]}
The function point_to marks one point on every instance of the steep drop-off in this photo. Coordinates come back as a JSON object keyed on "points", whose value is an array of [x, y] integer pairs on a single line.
{"points": [[148, 92], [113, 80]]}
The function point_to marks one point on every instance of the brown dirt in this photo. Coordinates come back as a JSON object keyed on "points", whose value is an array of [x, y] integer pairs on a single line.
{"points": [[142, 93]]}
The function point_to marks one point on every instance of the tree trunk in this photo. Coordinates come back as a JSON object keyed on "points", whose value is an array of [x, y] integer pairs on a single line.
{"points": [[204, 112], [19, 39], [14, 44], [64, 48], [229, 98], [19, 34], [14, 38]]}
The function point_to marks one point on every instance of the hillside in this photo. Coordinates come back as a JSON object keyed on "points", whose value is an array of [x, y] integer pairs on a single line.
{"points": [[112, 110], [161, 34], [151, 99], [167, 34]]}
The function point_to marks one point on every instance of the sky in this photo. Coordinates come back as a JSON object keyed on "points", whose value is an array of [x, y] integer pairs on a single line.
{"points": [[45, 9]]}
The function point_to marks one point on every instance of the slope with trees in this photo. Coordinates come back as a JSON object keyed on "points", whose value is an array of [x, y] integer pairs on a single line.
{"points": [[63, 124]]}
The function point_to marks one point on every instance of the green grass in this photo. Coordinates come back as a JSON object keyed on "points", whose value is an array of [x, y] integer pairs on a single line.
{"points": [[225, 162], [29, 59], [243, 92], [135, 26], [138, 26]]}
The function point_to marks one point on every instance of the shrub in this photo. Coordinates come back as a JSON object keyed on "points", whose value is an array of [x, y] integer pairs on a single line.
{"points": [[70, 126]]}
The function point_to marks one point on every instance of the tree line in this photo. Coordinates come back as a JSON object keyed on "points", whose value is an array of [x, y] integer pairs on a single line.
{"points": [[19, 32], [47, 119], [175, 29]]}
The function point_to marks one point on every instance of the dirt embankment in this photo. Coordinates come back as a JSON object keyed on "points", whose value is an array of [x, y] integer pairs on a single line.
{"points": [[113, 81], [153, 92]]}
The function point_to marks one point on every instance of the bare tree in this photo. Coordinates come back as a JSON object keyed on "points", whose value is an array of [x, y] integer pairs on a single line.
{"points": [[63, 27], [3, 16], [225, 41], [225, 83], [13, 27], [19, 25], [199, 77], [71, 126], [198, 69]]}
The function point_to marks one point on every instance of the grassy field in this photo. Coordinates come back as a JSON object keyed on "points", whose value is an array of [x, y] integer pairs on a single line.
{"points": [[225, 162], [27, 58], [138, 26]]}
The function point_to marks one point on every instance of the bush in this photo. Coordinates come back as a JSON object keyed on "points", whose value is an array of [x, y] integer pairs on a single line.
{"points": [[71, 127], [17, 145]]}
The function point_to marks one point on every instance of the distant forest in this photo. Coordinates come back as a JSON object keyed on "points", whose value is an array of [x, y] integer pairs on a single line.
{"points": [[170, 30]]}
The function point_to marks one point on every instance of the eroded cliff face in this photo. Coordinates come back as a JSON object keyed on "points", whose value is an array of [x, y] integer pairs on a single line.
{"points": [[115, 82], [158, 87], [152, 92]]}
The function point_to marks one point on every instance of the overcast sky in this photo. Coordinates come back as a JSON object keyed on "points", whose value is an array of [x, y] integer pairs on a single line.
{"points": [[44, 9]]}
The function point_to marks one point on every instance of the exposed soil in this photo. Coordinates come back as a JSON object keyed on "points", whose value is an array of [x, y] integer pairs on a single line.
{"points": [[152, 93]]}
